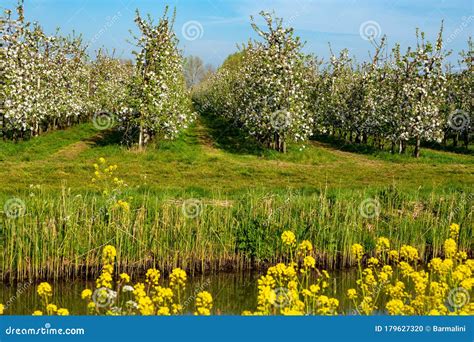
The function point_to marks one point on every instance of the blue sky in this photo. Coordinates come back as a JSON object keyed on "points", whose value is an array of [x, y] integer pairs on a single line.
{"points": [[215, 27]]}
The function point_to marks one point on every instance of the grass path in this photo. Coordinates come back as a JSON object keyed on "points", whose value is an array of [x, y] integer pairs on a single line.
{"points": [[214, 157]]}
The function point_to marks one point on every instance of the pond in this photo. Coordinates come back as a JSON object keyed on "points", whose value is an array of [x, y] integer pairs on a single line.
{"points": [[232, 293]]}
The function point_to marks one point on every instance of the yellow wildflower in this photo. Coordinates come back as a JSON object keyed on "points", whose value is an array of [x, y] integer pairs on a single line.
{"points": [[288, 238], [63, 312], [309, 262], [91, 306], [395, 307], [450, 248], [152, 276], [454, 231], [382, 244], [387, 269], [352, 294], [125, 206], [373, 262], [305, 247], [435, 264], [203, 303], [45, 290], [314, 288], [393, 255], [178, 278], [37, 313], [163, 311], [86, 294], [145, 306], [51, 309], [358, 251], [409, 253], [125, 277], [108, 254]]}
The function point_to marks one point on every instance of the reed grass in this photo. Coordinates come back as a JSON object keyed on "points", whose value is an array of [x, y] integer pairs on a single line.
{"points": [[61, 233]]}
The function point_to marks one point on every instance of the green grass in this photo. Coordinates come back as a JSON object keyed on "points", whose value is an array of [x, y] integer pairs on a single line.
{"points": [[249, 195], [62, 235], [215, 157]]}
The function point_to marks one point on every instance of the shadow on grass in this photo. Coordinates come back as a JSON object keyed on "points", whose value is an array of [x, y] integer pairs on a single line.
{"points": [[459, 149], [106, 138], [343, 145], [230, 138], [385, 154]]}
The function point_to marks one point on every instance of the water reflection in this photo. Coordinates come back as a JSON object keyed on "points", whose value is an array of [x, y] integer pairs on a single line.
{"points": [[232, 292]]}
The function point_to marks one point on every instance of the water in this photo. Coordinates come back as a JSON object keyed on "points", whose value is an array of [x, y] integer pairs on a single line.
{"points": [[232, 293]]}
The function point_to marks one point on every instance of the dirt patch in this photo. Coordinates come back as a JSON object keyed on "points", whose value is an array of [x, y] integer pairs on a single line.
{"points": [[72, 151]]}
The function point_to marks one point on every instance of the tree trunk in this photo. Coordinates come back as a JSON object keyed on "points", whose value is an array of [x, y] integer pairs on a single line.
{"points": [[416, 153], [466, 138], [140, 137], [455, 140], [402, 147]]}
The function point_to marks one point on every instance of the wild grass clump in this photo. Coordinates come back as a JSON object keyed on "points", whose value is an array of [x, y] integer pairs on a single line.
{"points": [[59, 235], [390, 280]]}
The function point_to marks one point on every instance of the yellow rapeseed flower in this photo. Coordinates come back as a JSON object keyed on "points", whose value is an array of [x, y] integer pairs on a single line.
{"points": [[91, 306], [382, 244], [86, 294], [108, 254], [395, 307], [163, 311], [393, 255], [450, 248], [305, 247], [51, 309], [454, 231], [45, 290], [203, 303], [37, 313], [125, 206], [178, 278], [373, 262], [63, 312], [2, 308], [357, 251], [309, 262], [288, 238], [314, 288], [409, 253], [352, 294], [152, 276], [125, 277]]}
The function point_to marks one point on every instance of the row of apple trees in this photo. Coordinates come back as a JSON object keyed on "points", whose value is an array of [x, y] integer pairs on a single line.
{"points": [[49, 82], [279, 94]]}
